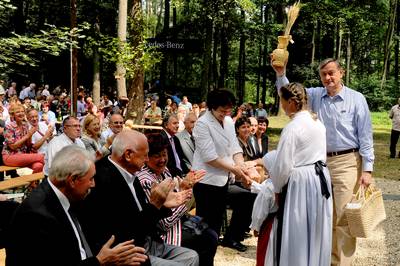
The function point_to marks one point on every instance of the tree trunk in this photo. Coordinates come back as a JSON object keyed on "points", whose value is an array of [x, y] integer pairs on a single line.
{"points": [[388, 41], [264, 59], [224, 55], [96, 69], [164, 62], [135, 107], [339, 44], [206, 60], [214, 57], [241, 65], [122, 24], [159, 16], [348, 58], [260, 55], [174, 57], [397, 47], [313, 45]]}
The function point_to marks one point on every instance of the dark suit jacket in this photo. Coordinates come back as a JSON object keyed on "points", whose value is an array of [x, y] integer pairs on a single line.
{"points": [[41, 234], [264, 144], [111, 209], [171, 158]]}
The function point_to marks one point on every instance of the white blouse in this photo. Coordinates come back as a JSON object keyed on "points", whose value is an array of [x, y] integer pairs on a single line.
{"points": [[302, 142]]}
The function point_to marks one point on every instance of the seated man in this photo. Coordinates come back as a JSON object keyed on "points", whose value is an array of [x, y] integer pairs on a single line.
{"points": [[45, 230], [152, 115], [119, 206], [186, 139], [115, 126], [176, 157]]}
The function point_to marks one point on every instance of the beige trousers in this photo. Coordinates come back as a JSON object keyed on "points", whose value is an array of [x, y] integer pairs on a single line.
{"points": [[345, 172]]}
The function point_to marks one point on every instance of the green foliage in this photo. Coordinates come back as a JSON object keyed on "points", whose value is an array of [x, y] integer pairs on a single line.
{"points": [[26, 50], [378, 100]]}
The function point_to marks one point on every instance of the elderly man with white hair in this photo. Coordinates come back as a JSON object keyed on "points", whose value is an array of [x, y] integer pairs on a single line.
{"points": [[119, 206], [45, 229]]}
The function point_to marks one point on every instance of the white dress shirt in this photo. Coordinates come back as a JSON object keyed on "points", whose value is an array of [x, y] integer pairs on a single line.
{"points": [[55, 145], [129, 178], [65, 204]]}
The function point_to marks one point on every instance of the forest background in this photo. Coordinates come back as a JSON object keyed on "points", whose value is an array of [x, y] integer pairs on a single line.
{"points": [[232, 40]]}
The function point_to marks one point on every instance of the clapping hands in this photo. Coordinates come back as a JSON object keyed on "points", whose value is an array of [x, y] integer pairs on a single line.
{"points": [[192, 178], [162, 194]]}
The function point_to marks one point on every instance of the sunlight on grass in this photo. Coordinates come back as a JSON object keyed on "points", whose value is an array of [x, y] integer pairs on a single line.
{"points": [[383, 167]]}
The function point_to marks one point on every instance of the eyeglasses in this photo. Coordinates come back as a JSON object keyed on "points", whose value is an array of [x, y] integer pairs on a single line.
{"points": [[118, 123], [74, 126]]}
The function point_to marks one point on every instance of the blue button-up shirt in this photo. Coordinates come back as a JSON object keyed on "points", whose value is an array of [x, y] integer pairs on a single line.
{"points": [[347, 120]]}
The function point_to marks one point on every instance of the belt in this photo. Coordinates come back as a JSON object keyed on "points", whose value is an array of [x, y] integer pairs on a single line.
{"points": [[319, 170], [335, 153]]}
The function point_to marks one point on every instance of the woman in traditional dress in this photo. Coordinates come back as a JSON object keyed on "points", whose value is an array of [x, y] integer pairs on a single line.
{"points": [[304, 220]]}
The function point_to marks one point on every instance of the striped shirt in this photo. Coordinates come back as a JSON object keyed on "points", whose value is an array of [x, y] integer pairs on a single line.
{"points": [[170, 226], [347, 120]]}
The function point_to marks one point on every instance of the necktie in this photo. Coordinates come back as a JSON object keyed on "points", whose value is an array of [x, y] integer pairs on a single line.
{"points": [[177, 160], [194, 143], [81, 235]]}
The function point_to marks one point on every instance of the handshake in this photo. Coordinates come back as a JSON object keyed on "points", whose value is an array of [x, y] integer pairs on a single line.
{"points": [[247, 173]]}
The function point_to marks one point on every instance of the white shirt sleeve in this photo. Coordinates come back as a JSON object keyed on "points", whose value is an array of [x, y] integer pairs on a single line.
{"points": [[284, 162], [204, 142]]}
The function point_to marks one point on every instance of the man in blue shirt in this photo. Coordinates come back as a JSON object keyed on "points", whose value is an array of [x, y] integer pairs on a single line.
{"points": [[350, 153]]}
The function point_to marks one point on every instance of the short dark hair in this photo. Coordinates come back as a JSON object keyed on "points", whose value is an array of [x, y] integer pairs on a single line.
{"points": [[68, 118], [263, 120], [327, 61], [156, 143], [241, 121], [220, 97]]}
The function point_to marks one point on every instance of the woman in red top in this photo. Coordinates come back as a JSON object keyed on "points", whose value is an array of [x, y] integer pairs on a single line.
{"points": [[18, 150]]}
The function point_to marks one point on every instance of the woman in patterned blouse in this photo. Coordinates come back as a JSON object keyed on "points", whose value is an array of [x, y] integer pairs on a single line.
{"points": [[155, 171], [18, 149]]}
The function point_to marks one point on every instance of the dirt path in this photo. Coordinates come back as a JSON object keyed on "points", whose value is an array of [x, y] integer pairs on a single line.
{"points": [[382, 248]]}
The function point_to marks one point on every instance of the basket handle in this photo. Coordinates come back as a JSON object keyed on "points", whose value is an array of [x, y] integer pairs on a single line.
{"points": [[360, 193]]}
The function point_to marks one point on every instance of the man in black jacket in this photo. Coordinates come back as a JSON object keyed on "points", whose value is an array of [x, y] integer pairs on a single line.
{"points": [[176, 157], [118, 204], [45, 230]]}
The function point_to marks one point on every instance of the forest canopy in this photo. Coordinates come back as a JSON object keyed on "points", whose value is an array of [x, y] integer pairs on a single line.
{"points": [[235, 38]]}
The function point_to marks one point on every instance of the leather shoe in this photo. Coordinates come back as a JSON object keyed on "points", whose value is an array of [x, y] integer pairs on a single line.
{"points": [[235, 245]]}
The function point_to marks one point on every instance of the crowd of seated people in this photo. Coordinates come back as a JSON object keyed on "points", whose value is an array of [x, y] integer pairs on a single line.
{"points": [[162, 163]]}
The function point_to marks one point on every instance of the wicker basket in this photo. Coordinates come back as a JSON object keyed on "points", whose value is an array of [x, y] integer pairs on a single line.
{"points": [[365, 211]]}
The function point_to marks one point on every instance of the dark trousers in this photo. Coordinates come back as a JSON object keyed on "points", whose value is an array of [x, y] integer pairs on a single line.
{"points": [[211, 204], [394, 137], [205, 245], [241, 202]]}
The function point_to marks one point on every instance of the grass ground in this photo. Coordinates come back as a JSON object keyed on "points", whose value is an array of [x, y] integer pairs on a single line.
{"points": [[383, 166]]}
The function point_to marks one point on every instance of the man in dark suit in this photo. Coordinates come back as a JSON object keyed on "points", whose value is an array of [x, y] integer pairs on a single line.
{"points": [[45, 230], [118, 204], [176, 157]]}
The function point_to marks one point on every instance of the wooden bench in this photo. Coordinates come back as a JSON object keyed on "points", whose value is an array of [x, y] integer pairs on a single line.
{"points": [[4, 168], [20, 181], [147, 127]]}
